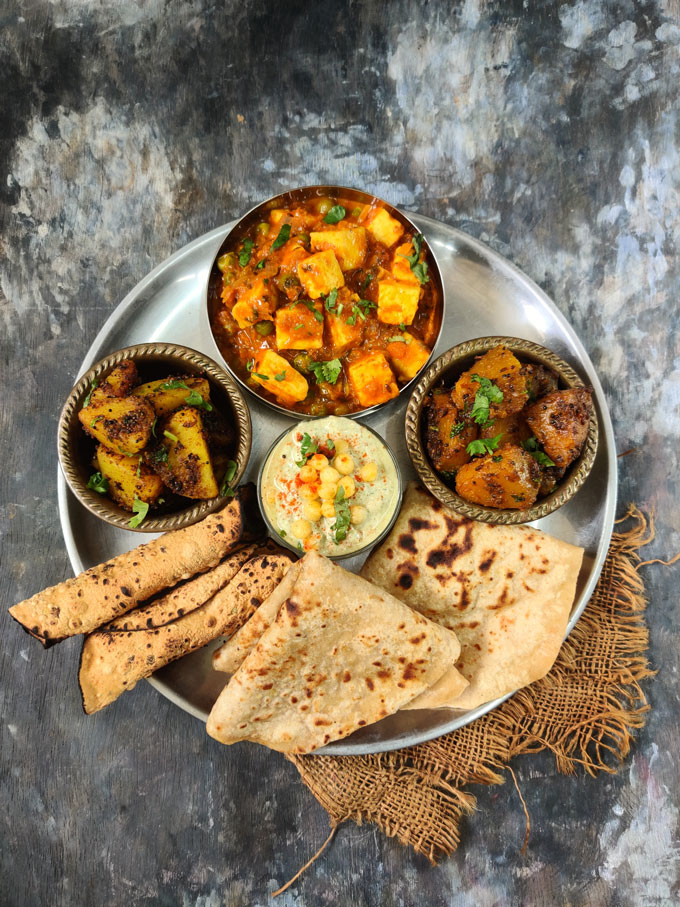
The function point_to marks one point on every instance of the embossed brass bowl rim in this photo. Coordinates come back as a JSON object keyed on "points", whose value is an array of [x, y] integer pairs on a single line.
{"points": [[293, 197], [450, 365], [71, 439]]}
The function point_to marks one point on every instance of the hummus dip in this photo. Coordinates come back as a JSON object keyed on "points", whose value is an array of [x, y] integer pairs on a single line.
{"points": [[330, 485]]}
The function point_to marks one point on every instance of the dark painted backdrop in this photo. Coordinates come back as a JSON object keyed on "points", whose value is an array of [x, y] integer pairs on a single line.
{"points": [[127, 129]]}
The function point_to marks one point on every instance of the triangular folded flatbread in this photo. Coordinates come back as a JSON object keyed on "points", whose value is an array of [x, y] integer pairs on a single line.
{"points": [[339, 654], [506, 592]]}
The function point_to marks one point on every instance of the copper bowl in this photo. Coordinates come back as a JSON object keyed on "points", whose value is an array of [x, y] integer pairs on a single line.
{"points": [[293, 197], [153, 360], [446, 369]]}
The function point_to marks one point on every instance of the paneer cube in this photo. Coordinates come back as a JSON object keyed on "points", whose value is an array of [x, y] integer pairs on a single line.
{"points": [[320, 273], [407, 356], [342, 334], [383, 227], [372, 379], [299, 327], [349, 244], [397, 301], [277, 375], [401, 269], [255, 303]]}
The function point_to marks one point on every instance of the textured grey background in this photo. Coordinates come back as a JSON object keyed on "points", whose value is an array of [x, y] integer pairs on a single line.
{"points": [[550, 131]]}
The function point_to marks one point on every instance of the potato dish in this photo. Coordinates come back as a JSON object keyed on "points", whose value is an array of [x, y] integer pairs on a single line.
{"points": [[505, 434], [155, 440]]}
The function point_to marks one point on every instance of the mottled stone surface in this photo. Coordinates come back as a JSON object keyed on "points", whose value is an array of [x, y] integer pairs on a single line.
{"points": [[128, 128]]}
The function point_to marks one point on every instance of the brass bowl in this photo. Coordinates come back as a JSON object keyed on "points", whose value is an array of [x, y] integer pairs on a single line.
{"points": [[153, 360], [295, 196], [447, 369]]}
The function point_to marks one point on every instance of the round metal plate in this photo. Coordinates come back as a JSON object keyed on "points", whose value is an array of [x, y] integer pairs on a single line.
{"points": [[485, 295]]}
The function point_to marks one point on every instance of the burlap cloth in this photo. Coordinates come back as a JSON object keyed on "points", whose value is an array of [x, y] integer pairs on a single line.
{"points": [[583, 711]]}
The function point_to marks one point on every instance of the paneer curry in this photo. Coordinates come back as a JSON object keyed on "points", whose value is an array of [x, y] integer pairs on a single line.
{"points": [[326, 306], [505, 434]]}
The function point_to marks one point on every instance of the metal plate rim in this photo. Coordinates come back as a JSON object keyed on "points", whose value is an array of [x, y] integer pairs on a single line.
{"points": [[497, 262]]}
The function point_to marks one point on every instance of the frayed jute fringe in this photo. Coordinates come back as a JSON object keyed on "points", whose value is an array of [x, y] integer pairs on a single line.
{"points": [[583, 711]]}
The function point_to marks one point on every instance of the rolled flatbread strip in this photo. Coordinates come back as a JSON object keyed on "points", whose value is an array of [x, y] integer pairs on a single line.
{"points": [[505, 591], [112, 661], [104, 592], [232, 653], [340, 654]]}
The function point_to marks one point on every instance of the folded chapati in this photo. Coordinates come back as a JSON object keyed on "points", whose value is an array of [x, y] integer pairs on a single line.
{"points": [[217, 603], [506, 592], [339, 654]]}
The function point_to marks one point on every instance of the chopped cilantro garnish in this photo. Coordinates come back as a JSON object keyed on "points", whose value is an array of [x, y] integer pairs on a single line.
{"points": [[531, 447], [487, 394], [140, 509], [326, 371], [174, 385], [281, 376], [331, 299], [282, 238], [483, 445], [342, 516], [307, 448], [95, 420], [419, 268], [260, 264], [456, 429], [159, 454], [97, 482], [93, 384], [260, 376], [335, 215], [246, 252], [226, 490], [196, 399], [313, 309], [169, 434]]}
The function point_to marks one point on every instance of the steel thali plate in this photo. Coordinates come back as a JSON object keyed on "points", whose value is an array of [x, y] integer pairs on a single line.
{"points": [[485, 295]]}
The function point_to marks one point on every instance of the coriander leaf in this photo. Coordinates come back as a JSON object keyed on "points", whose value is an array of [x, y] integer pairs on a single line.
{"points": [[331, 299], [97, 482], [312, 308], [420, 270], [246, 252], [174, 385], [260, 376], [326, 371], [489, 389], [530, 444], [335, 215], [330, 444], [396, 339], [169, 434], [531, 447], [283, 533], [281, 376], [226, 489], [456, 429], [299, 544], [480, 409], [159, 455], [260, 264], [498, 458], [369, 277], [366, 305], [93, 384], [307, 448], [196, 399], [141, 509], [483, 445], [402, 326], [153, 426], [282, 238], [95, 420], [139, 467], [250, 365], [342, 516]]}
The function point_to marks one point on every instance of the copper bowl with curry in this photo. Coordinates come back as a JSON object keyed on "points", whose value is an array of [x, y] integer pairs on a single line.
{"points": [[325, 301], [502, 430]]}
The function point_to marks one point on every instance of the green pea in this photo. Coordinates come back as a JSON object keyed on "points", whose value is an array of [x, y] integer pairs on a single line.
{"points": [[302, 362], [341, 409], [263, 228], [252, 383], [226, 261], [318, 409], [324, 205], [355, 212], [264, 327], [304, 239]]}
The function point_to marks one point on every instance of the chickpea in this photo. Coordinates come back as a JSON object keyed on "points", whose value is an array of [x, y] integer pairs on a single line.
{"points": [[357, 514], [308, 492], [328, 509], [311, 510], [328, 491], [301, 529], [318, 461], [344, 464], [369, 472], [347, 485], [329, 475], [308, 473], [341, 446]]}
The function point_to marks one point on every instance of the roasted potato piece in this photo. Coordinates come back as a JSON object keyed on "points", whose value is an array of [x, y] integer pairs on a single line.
{"points": [[122, 424], [551, 476], [168, 394], [508, 479], [540, 380], [128, 478], [501, 367], [182, 459], [512, 429], [560, 422], [446, 435], [118, 383]]}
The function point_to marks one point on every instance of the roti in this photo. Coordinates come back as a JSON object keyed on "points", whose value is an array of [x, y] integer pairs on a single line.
{"points": [[506, 592], [338, 655]]}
